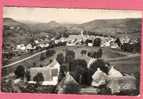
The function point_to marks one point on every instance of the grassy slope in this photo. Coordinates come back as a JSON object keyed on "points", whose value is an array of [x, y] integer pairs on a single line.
{"points": [[122, 65], [114, 26]]}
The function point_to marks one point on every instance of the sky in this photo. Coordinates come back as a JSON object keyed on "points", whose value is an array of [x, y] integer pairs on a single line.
{"points": [[63, 15]]}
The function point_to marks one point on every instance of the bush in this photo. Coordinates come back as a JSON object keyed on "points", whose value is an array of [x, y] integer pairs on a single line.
{"points": [[71, 89], [70, 56], [127, 47], [20, 72]]}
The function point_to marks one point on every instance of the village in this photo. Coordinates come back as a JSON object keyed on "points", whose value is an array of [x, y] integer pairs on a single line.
{"points": [[47, 75], [73, 40], [71, 51]]}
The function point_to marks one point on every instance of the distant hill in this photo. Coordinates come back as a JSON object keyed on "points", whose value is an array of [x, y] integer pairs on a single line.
{"points": [[104, 26], [51, 26], [113, 26]]}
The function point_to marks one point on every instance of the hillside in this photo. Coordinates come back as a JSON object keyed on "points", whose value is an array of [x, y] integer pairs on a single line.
{"points": [[51, 26], [22, 32], [12, 22], [113, 26], [14, 33], [104, 26]]}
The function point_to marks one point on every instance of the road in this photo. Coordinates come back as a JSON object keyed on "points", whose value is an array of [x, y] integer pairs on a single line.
{"points": [[6, 66], [128, 55], [113, 60]]}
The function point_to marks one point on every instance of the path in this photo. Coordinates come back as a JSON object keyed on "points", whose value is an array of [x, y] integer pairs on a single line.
{"points": [[6, 66]]}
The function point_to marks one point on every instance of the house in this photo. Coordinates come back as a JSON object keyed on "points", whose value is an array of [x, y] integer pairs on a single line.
{"points": [[36, 41], [29, 47], [21, 47], [43, 44], [124, 39]]}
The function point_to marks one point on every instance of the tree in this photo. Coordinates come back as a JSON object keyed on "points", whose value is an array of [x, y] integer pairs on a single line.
{"points": [[118, 42], [70, 56], [60, 58], [93, 54], [99, 53], [66, 35], [99, 63], [77, 68], [89, 54], [97, 42], [20, 72], [83, 52], [63, 69]]}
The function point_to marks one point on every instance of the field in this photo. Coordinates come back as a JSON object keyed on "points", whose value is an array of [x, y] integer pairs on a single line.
{"points": [[124, 62]]}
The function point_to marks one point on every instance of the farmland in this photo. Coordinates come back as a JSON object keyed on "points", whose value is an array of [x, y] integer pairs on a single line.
{"points": [[108, 54]]}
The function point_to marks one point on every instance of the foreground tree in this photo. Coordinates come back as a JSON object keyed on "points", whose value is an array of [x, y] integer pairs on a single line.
{"points": [[70, 56], [20, 72], [77, 68], [60, 58]]}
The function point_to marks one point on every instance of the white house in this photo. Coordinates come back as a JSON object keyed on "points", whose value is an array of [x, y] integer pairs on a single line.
{"points": [[36, 41], [29, 47], [21, 47]]}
